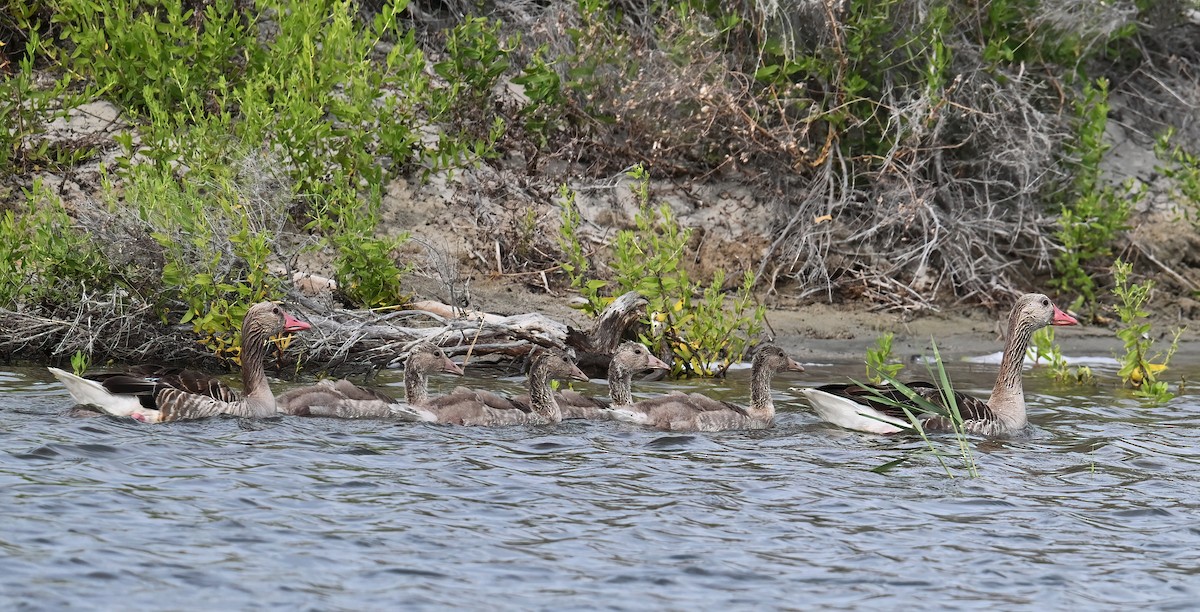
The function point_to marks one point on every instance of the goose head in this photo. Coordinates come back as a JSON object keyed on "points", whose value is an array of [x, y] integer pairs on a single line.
{"points": [[553, 365], [774, 359], [633, 357], [427, 357], [1035, 311], [269, 319]]}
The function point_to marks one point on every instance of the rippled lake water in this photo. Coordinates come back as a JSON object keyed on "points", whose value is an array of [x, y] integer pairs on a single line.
{"points": [[1099, 508]]}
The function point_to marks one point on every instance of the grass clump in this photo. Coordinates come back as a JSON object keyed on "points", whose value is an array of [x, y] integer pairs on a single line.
{"points": [[946, 407], [80, 361]]}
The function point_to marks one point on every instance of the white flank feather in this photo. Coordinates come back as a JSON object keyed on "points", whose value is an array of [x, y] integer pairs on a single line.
{"points": [[405, 412], [850, 414], [625, 415], [92, 393]]}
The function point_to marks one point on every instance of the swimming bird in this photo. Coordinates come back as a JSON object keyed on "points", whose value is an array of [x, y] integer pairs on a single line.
{"points": [[175, 396], [346, 400], [696, 412], [489, 409], [629, 359], [859, 407]]}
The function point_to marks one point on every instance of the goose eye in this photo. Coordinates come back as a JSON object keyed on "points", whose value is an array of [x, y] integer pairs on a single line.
{"points": [[275, 310], [1045, 302]]}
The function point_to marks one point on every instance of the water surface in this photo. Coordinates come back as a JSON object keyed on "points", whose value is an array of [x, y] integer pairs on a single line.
{"points": [[1098, 508]]}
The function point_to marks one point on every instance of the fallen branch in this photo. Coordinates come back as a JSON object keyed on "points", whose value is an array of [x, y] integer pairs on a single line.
{"points": [[118, 328]]}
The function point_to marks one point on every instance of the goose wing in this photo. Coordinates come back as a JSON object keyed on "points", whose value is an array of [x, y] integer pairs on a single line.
{"points": [[337, 399], [976, 415], [183, 379], [356, 392], [477, 408], [178, 405]]}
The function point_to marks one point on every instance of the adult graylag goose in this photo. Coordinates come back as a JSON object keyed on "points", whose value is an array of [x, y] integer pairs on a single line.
{"points": [[859, 408], [155, 399], [346, 400], [484, 408], [629, 359], [696, 412]]}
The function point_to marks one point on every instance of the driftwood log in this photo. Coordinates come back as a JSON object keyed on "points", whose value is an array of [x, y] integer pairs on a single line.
{"points": [[114, 328], [360, 340]]}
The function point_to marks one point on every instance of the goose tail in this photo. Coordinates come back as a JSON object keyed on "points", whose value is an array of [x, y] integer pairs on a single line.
{"points": [[92, 393], [850, 414]]}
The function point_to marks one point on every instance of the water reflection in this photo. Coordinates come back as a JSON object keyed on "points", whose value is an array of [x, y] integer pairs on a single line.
{"points": [[1097, 507]]}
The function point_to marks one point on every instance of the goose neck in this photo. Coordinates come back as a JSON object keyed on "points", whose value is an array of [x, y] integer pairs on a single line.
{"points": [[1008, 395], [541, 396], [620, 384], [416, 386], [254, 352], [761, 403]]}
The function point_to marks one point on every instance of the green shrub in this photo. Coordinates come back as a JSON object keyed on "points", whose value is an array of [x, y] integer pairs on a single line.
{"points": [[1139, 369], [700, 325], [365, 265], [218, 234], [476, 56], [44, 260], [547, 101], [336, 127], [1183, 168], [25, 108], [1027, 32], [153, 52], [1092, 221], [577, 266], [340, 108]]}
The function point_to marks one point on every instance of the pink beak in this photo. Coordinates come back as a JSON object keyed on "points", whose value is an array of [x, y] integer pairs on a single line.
{"points": [[792, 366], [450, 367], [1062, 318], [657, 364], [291, 324], [577, 374]]}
